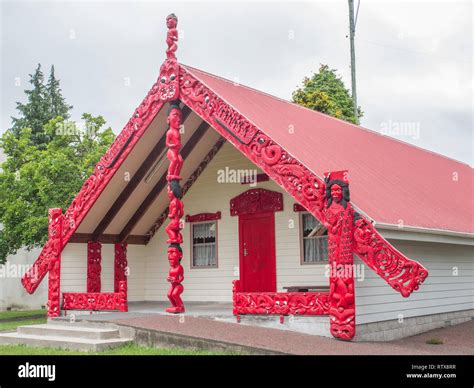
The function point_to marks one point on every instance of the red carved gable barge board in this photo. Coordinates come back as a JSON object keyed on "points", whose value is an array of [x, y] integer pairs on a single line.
{"points": [[96, 183]]}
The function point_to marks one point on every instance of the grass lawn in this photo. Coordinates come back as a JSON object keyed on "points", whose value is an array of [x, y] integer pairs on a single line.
{"points": [[127, 350], [6, 315], [13, 325]]}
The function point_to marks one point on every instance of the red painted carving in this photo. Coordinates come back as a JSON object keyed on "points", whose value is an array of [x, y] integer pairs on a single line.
{"points": [[175, 194], [339, 220], [256, 201], [172, 36], [169, 70], [176, 211], [94, 258], [196, 173], [303, 185], [175, 278], [173, 142], [203, 217], [54, 235], [120, 265], [279, 303], [97, 301]]}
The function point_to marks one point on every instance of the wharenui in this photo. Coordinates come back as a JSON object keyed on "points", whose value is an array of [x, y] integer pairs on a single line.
{"points": [[333, 230]]}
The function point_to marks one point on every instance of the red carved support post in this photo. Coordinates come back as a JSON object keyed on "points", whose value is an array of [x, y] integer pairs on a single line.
{"points": [[120, 275], [94, 259], [339, 220], [120, 265], [169, 91], [55, 238]]}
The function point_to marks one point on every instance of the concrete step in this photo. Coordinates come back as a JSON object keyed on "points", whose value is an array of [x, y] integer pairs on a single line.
{"points": [[80, 336], [62, 342], [74, 331]]}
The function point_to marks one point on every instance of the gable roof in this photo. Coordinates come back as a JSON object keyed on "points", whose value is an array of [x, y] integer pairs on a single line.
{"points": [[392, 182]]}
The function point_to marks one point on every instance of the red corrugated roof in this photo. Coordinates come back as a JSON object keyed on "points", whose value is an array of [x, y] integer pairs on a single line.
{"points": [[391, 181]]}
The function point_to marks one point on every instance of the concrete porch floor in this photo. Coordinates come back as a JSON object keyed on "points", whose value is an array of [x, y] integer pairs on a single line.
{"points": [[215, 311], [211, 310]]}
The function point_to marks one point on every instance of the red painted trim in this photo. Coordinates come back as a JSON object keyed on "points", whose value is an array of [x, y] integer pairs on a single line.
{"points": [[298, 208], [97, 301], [270, 235], [94, 262], [278, 303], [191, 261], [260, 178], [203, 217], [120, 265], [256, 201], [297, 180], [54, 265]]}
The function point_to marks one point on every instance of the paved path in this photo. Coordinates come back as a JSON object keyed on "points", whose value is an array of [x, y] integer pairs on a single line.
{"points": [[456, 339]]}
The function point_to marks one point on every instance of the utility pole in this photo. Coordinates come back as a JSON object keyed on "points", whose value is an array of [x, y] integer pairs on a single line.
{"points": [[353, 69]]}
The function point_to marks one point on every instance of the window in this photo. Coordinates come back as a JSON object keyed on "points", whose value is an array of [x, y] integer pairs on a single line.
{"points": [[203, 238], [315, 240]]}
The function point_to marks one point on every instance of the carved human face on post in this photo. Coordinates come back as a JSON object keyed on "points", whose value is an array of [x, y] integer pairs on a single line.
{"points": [[169, 80], [171, 21], [336, 193], [174, 118], [174, 256], [170, 193]]}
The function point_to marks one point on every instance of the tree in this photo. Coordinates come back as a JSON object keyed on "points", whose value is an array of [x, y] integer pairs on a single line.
{"points": [[326, 93], [35, 178], [56, 101], [35, 113], [44, 102]]}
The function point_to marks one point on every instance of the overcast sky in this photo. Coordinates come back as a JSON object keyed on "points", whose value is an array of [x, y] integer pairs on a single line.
{"points": [[414, 60]]}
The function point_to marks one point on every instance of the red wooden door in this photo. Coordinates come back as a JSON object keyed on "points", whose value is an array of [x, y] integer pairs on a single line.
{"points": [[257, 252]]}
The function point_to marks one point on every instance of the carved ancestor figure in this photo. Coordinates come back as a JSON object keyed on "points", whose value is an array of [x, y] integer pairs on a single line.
{"points": [[173, 141], [175, 277], [338, 219], [171, 36], [176, 211]]}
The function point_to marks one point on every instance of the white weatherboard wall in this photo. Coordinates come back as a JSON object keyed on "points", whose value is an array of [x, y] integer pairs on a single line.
{"points": [[215, 284], [449, 286], [12, 293]]}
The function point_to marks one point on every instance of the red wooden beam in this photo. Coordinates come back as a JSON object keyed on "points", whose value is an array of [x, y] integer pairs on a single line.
{"points": [[203, 217], [83, 238], [54, 265]]}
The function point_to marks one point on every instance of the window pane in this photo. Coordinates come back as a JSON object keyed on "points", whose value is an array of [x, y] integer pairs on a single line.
{"points": [[204, 255], [315, 248], [309, 223], [204, 244]]}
